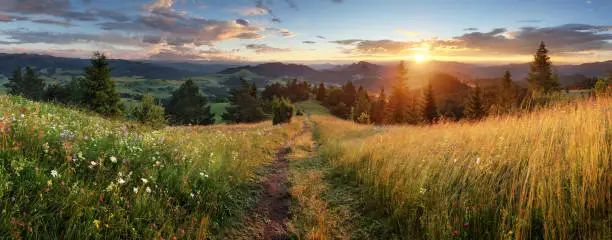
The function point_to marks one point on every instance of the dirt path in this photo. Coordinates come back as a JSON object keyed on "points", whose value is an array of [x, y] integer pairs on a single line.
{"points": [[270, 217]]}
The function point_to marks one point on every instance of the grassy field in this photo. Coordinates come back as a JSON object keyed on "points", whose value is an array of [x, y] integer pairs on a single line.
{"points": [[544, 175], [73, 175]]}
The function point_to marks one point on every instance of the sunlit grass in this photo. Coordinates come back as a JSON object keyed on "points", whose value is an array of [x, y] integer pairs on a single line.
{"points": [[73, 175], [543, 175]]}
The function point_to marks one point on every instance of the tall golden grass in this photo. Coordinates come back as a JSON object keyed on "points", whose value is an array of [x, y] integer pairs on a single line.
{"points": [[546, 174]]}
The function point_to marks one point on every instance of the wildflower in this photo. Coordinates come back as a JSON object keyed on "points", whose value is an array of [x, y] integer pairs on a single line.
{"points": [[478, 161], [86, 137], [97, 223], [206, 175], [148, 189], [158, 163], [466, 224], [124, 161], [455, 232], [54, 173], [120, 181], [22, 115], [80, 155], [202, 174], [144, 180], [455, 160], [192, 195], [94, 163], [63, 183], [422, 190], [36, 168], [135, 190], [113, 159]]}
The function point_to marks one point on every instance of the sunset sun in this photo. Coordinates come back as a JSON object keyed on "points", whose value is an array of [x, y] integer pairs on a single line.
{"points": [[419, 58]]}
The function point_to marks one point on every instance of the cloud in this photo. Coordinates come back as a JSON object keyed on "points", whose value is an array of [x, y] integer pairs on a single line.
{"points": [[338, 1], [408, 33], [53, 22], [566, 39], [109, 14], [10, 18], [242, 22], [321, 37], [309, 42], [254, 11], [25, 37], [292, 4], [470, 29], [530, 21], [276, 20], [185, 53], [264, 48], [283, 32]]}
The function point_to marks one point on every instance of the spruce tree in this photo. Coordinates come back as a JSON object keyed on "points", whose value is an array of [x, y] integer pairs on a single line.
{"points": [[244, 108], [506, 94], [15, 84], [474, 109], [188, 105], [282, 110], [321, 92], [362, 105], [33, 86], [378, 108], [397, 108], [429, 112], [253, 90], [350, 94], [98, 89], [541, 77]]}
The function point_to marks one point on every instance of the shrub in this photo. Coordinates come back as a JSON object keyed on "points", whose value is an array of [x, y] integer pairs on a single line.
{"points": [[283, 110]]}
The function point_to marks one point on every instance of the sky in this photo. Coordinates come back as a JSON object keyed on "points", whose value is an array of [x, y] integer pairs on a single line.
{"points": [[310, 31]]}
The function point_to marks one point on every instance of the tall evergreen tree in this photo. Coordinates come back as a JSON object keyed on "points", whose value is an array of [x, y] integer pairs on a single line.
{"points": [[244, 108], [541, 77], [378, 108], [98, 89], [321, 92], [506, 94], [188, 105], [362, 105], [350, 94], [15, 84], [253, 90], [474, 108], [397, 107], [33, 86], [429, 112]]}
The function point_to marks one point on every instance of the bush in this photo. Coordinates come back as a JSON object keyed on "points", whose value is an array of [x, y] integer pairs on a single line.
{"points": [[283, 110], [150, 114]]}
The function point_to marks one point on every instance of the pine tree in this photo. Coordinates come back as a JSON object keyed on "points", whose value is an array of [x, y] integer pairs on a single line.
{"points": [[378, 108], [253, 90], [541, 77], [150, 113], [15, 84], [99, 92], [188, 105], [33, 86], [362, 105], [58, 93], [397, 108], [243, 106], [321, 92], [429, 112], [474, 109], [506, 94], [350, 94]]}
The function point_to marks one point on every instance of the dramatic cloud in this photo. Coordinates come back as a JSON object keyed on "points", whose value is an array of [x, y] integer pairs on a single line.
{"points": [[564, 39], [338, 1], [281, 31], [470, 29], [309, 42], [242, 22], [26, 37], [264, 48], [109, 14], [10, 18]]}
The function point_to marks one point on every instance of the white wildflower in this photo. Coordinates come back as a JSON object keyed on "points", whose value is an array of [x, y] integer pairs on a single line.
{"points": [[54, 173], [422, 190], [113, 159], [144, 180], [478, 161], [135, 190], [206, 175], [148, 189], [202, 174], [120, 181], [93, 163], [192, 195]]}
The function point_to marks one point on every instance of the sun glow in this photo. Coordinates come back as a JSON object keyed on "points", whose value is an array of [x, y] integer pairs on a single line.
{"points": [[419, 58]]}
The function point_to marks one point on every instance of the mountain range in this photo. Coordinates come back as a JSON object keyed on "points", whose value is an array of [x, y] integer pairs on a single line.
{"points": [[371, 76]]}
